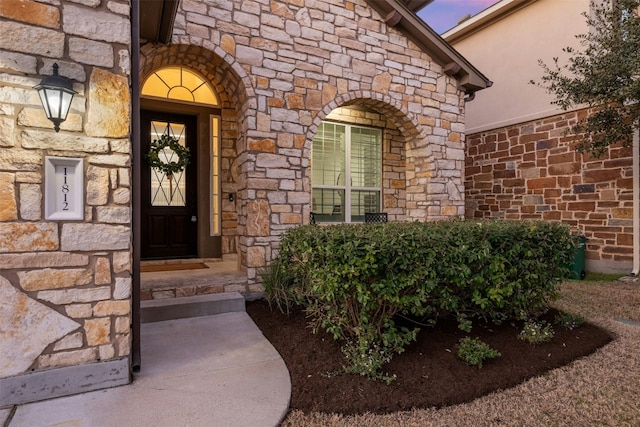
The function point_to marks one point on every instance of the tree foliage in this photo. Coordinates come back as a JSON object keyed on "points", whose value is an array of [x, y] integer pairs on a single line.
{"points": [[602, 74]]}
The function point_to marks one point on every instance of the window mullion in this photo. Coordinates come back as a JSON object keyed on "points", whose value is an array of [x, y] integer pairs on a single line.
{"points": [[347, 175]]}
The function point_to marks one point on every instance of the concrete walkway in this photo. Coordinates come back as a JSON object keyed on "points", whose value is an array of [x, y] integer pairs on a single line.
{"points": [[201, 371]]}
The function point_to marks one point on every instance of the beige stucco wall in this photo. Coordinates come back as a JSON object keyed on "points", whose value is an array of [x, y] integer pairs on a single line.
{"points": [[508, 50]]}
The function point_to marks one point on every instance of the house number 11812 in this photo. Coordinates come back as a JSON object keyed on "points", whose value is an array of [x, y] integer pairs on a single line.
{"points": [[65, 191], [64, 185]]}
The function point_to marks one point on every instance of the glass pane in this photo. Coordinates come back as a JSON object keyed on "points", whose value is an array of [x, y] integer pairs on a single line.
{"points": [[181, 84], [154, 86], [170, 75], [328, 155], [366, 157], [363, 202], [191, 80], [181, 94], [204, 95], [215, 177], [168, 190], [328, 205]]}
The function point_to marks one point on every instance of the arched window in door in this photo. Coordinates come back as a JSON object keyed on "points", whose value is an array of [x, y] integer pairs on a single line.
{"points": [[181, 84]]}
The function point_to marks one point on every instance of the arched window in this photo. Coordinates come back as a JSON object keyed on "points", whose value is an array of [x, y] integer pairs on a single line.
{"points": [[179, 84]]}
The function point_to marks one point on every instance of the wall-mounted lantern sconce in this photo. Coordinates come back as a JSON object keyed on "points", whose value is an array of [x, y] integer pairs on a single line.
{"points": [[56, 93], [232, 197]]}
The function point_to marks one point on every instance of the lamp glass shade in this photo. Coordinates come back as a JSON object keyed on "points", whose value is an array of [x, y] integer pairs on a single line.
{"points": [[56, 95]]}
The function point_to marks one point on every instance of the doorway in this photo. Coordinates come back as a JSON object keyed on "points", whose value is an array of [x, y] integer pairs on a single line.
{"points": [[169, 210]]}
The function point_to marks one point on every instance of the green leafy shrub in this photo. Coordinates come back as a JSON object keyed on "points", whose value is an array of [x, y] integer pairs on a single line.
{"points": [[354, 280], [536, 332], [474, 351], [499, 270], [569, 321]]}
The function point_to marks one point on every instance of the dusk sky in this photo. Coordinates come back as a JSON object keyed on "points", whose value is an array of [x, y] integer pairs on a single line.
{"points": [[442, 15]]}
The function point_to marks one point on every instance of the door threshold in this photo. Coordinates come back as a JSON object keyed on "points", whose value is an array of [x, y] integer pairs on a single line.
{"points": [[179, 261]]}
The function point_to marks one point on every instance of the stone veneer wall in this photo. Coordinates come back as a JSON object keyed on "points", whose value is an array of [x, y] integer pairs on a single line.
{"points": [[532, 171], [65, 286], [284, 66]]}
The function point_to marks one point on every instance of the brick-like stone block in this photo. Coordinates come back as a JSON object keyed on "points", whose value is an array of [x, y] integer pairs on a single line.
{"points": [[8, 204], [96, 24], [264, 145], [209, 289], [28, 237], [7, 126], [68, 358], [564, 169], [122, 325], [36, 139], [122, 288], [42, 260], [73, 296], [97, 331], [600, 175], [79, 311], [74, 340], [121, 262], [31, 12], [622, 213], [20, 37], [113, 215], [584, 188], [540, 183], [109, 107], [112, 308], [94, 237], [256, 256], [258, 213], [102, 271], [30, 202], [48, 278]]}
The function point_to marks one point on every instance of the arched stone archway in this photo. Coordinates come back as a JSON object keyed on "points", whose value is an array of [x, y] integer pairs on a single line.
{"points": [[418, 184], [237, 116], [229, 79]]}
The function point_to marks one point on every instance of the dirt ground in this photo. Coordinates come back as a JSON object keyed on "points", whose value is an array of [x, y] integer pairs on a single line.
{"points": [[600, 389]]}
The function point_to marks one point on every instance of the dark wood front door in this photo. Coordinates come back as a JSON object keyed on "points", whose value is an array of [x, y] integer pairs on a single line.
{"points": [[169, 203]]}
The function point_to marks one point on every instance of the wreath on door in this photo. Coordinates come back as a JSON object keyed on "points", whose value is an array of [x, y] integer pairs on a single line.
{"points": [[168, 167]]}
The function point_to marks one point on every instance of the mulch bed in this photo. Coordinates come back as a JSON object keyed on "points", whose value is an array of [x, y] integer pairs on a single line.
{"points": [[429, 374]]}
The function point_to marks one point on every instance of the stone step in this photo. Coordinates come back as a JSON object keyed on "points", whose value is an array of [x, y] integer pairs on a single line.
{"points": [[193, 306], [220, 276]]}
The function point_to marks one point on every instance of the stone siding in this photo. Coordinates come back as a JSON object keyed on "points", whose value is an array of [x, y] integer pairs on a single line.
{"points": [[283, 67], [532, 171], [65, 285]]}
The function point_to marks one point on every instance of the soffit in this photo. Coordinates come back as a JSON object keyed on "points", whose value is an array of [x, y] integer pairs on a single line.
{"points": [[487, 17], [156, 20]]}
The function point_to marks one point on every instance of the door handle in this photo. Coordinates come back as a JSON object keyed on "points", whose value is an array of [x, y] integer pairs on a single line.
{"points": [[194, 218]]}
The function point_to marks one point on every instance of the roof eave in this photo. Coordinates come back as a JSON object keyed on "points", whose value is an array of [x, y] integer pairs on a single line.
{"points": [[416, 5], [486, 17]]}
